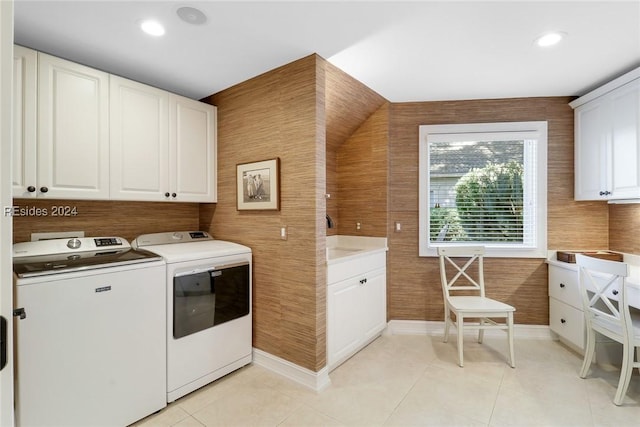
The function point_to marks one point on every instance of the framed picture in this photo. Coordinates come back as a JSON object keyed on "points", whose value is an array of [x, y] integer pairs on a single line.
{"points": [[258, 185]]}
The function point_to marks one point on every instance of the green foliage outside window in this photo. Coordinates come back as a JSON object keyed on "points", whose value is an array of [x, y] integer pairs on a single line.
{"points": [[489, 207]]}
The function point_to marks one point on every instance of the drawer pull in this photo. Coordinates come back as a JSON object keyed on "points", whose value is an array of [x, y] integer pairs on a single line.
{"points": [[563, 321], [562, 285]]}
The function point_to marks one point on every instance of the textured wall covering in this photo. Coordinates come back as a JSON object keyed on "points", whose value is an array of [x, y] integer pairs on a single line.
{"points": [[102, 218], [334, 135], [413, 282], [348, 105], [624, 228], [362, 167], [279, 114]]}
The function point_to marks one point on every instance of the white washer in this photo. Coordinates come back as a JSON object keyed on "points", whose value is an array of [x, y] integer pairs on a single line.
{"points": [[208, 307], [90, 340]]}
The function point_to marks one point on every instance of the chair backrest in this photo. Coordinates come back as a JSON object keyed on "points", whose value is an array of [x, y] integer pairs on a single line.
{"points": [[604, 294], [462, 262]]}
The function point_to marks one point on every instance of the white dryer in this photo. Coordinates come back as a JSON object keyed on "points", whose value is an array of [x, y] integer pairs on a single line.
{"points": [[208, 307]]}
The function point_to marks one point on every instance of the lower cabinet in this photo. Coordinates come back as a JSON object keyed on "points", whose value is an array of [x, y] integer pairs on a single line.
{"points": [[356, 310], [566, 316]]}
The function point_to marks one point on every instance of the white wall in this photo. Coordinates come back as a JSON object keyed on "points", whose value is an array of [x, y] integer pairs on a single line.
{"points": [[6, 277]]}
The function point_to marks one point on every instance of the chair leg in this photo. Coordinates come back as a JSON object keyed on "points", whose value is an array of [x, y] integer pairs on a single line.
{"points": [[588, 352], [625, 374], [459, 323], [447, 323], [481, 331], [512, 357]]}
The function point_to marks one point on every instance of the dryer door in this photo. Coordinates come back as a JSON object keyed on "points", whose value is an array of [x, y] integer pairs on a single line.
{"points": [[204, 299]]}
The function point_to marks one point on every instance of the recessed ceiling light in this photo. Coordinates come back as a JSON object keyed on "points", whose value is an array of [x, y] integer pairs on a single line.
{"points": [[550, 39], [152, 27], [191, 15]]}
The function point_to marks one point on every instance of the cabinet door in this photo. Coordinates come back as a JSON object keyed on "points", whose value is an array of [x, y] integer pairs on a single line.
{"points": [[591, 153], [24, 121], [192, 155], [374, 303], [139, 141], [344, 323], [625, 141], [73, 130]]}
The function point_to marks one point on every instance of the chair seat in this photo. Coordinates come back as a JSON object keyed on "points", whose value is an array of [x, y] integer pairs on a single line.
{"points": [[480, 304], [605, 323]]}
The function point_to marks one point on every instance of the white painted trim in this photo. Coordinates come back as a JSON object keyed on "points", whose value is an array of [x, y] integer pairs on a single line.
{"points": [[316, 381], [534, 185], [606, 88], [6, 222], [436, 328]]}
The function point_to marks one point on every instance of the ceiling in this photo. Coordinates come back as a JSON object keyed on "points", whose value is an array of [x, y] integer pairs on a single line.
{"points": [[405, 51]]}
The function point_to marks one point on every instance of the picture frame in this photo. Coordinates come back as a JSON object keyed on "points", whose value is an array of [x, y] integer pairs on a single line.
{"points": [[258, 185]]}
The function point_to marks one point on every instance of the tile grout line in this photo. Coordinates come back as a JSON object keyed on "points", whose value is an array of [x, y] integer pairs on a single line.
{"points": [[413, 385]]}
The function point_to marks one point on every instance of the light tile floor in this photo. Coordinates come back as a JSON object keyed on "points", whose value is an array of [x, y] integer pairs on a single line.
{"points": [[407, 380]]}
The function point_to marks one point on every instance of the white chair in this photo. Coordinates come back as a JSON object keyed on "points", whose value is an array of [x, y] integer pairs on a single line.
{"points": [[606, 311], [473, 304]]}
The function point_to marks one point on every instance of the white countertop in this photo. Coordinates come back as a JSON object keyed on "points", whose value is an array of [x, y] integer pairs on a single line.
{"points": [[344, 248]]}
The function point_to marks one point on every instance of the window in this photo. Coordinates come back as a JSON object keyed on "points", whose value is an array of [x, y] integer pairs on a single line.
{"points": [[484, 184]]}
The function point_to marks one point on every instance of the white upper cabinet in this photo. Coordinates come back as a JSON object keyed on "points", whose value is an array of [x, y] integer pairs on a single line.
{"points": [[81, 133], [73, 130], [192, 150], [607, 141], [139, 141], [163, 146], [25, 63]]}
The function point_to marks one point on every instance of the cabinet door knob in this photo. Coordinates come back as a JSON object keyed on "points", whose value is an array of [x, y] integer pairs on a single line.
{"points": [[562, 285], [31, 189], [174, 195], [43, 189], [166, 194], [563, 321], [615, 292]]}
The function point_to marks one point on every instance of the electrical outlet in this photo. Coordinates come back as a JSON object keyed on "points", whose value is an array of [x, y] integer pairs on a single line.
{"points": [[358, 226], [398, 227], [283, 232]]}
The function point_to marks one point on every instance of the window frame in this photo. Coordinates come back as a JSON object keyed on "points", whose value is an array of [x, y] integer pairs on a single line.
{"points": [[536, 130]]}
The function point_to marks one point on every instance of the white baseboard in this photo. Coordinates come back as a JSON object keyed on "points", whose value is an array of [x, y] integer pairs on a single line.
{"points": [[316, 381], [436, 328]]}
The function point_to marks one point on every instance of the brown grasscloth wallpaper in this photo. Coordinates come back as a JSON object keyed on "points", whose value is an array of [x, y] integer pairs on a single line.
{"points": [[333, 135], [279, 114], [413, 282]]}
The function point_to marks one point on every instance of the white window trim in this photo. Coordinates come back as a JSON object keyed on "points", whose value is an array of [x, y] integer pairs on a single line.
{"points": [[537, 129]]}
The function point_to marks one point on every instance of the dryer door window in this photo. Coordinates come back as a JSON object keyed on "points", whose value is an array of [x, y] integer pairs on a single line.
{"points": [[205, 299]]}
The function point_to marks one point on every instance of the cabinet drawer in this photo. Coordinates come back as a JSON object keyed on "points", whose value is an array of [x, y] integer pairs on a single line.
{"points": [[564, 286], [355, 266], [567, 321]]}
